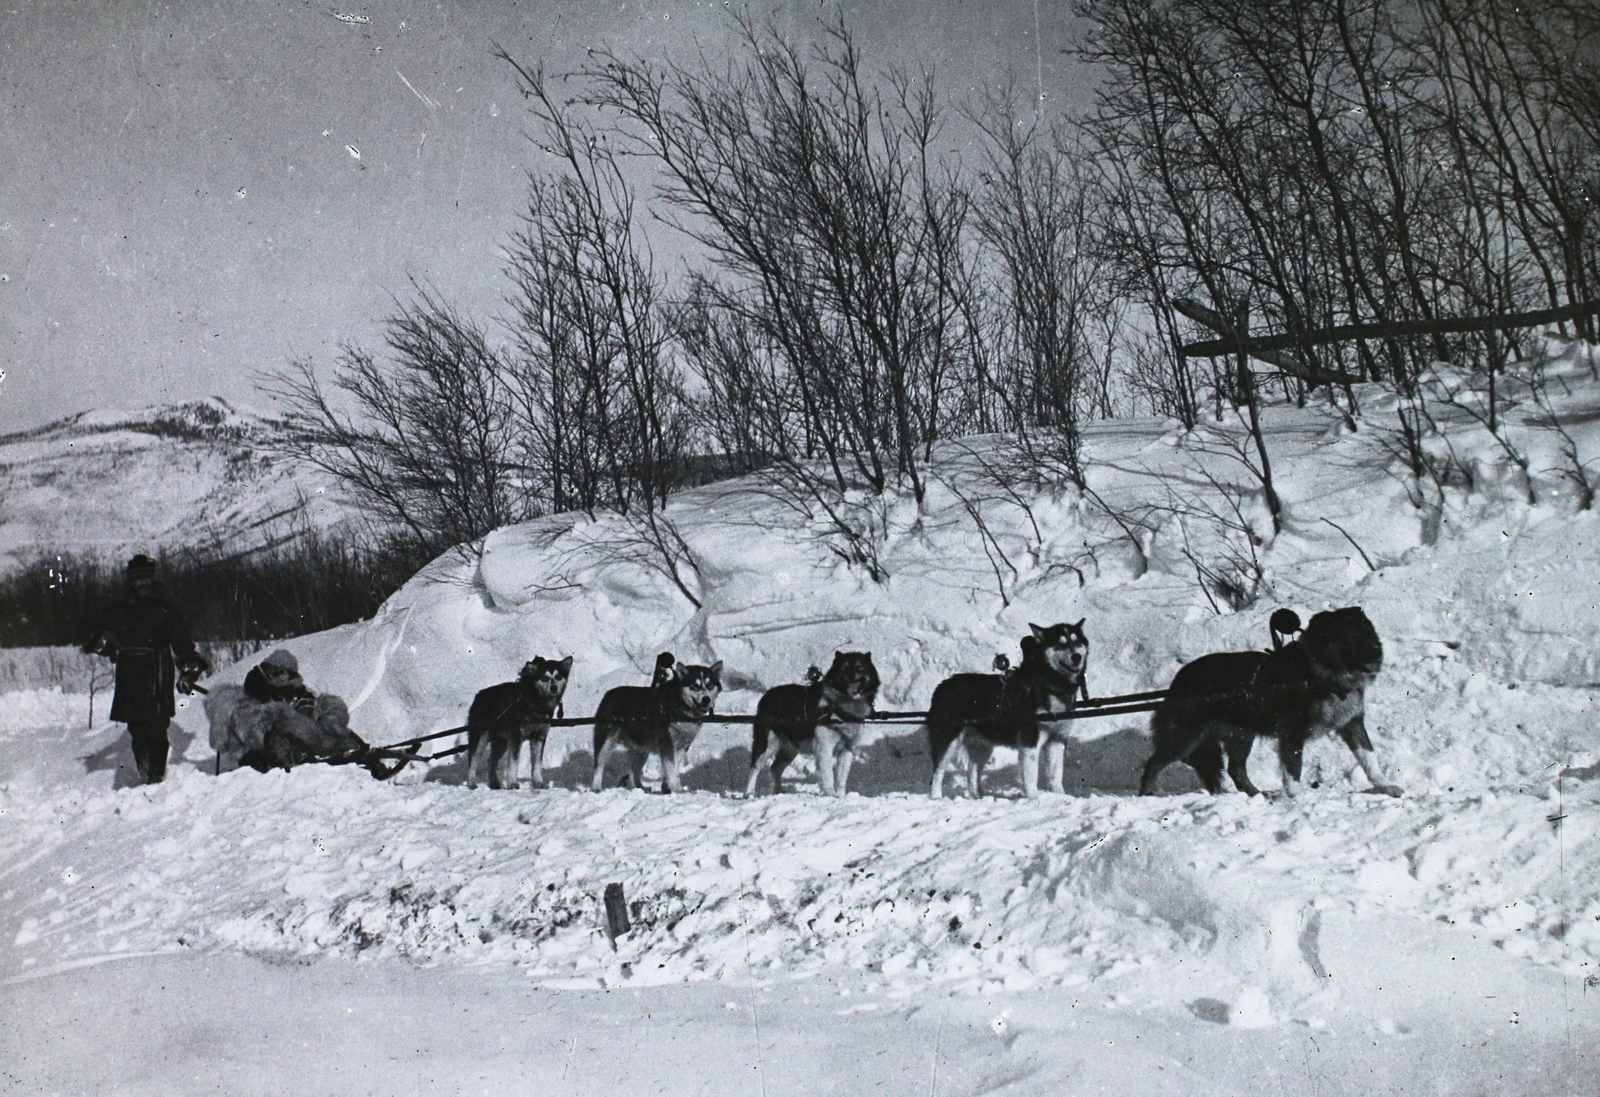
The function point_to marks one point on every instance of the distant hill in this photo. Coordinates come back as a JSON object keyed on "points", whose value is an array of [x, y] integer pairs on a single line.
{"points": [[195, 475]]}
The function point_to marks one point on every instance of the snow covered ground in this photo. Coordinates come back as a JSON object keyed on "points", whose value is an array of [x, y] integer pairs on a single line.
{"points": [[435, 939]]}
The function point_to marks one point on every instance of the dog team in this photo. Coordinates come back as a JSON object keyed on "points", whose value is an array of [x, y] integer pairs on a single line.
{"points": [[1209, 718]]}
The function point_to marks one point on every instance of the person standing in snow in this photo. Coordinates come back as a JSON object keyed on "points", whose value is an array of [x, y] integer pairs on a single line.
{"points": [[147, 638]]}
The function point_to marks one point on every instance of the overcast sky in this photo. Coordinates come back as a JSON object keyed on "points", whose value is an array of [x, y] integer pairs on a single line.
{"points": [[193, 192]]}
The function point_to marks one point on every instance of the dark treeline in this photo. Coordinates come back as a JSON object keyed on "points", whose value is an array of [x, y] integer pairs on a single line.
{"points": [[863, 292], [314, 582]]}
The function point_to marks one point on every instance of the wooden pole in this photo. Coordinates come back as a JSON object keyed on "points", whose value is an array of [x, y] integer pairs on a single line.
{"points": [[617, 924], [1246, 382]]}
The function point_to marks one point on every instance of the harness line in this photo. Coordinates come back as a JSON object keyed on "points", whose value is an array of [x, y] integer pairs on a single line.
{"points": [[1101, 706]]}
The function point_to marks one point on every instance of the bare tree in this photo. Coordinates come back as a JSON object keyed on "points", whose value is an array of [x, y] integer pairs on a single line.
{"points": [[598, 393], [751, 408], [1575, 468], [421, 440], [1514, 95], [1032, 213], [836, 231], [1351, 160], [600, 396]]}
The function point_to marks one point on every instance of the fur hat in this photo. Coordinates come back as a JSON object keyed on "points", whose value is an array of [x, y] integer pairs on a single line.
{"points": [[282, 659], [141, 567]]}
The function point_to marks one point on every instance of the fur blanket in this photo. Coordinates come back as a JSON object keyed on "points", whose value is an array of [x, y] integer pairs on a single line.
{"points": [[274, 733]]}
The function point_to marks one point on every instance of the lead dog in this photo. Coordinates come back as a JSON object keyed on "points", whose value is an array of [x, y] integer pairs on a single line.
{"points": [[511, 714], [1218, 704], [824, 716], [662, 718], [974, 713]]}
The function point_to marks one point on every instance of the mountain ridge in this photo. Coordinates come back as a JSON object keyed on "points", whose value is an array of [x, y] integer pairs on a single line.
{"points": [[199, 475]]}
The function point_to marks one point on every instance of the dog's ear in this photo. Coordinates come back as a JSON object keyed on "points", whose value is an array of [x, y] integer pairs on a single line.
{"points": [[1079, 626], [566, 665], [867, 655], [716, 669], [1038, 633], [664, 660]]}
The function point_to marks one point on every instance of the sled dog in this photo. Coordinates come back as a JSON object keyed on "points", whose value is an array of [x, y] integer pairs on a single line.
{"points": [[662, 718], [971, 714], [824, 716], [1218, 704], [505, 717]]}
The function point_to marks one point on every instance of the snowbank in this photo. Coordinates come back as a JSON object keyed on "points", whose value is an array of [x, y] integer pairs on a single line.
{"points": [[1222, 896], [1485, 713], [1494, 624], [25, 711]]}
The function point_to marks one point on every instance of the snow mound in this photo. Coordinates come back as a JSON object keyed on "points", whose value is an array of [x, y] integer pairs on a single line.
{"points": [[1488, 605], [1489, 609], [1224, 895]]}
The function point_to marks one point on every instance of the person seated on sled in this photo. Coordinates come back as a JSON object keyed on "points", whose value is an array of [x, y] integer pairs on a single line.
{"points": [[275, 720], [145, 635], [321, 735], [277, 678]]}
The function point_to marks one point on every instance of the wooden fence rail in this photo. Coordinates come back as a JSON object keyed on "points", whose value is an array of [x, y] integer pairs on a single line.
{"points": [[1394, 329]]}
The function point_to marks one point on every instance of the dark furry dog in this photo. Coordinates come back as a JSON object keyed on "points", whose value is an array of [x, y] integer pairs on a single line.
{"points": [[1219, 703], [662, 718], [971, 714], [513, 713], [823, 716]]}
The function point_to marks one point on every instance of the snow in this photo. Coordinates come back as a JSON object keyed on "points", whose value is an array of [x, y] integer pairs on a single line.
{"points": [[1338, 942], [913, 894], [109, 483], [156, 1026]]}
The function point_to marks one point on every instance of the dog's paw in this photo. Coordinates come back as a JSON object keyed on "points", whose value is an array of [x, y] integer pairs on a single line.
{"points": [[1389, 790]]}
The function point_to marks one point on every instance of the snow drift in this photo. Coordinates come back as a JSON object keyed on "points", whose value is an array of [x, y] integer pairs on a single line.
{"points": [[1485, 713]]}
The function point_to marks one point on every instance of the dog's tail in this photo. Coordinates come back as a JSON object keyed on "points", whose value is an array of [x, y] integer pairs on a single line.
{"points": [[758, 741]]}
